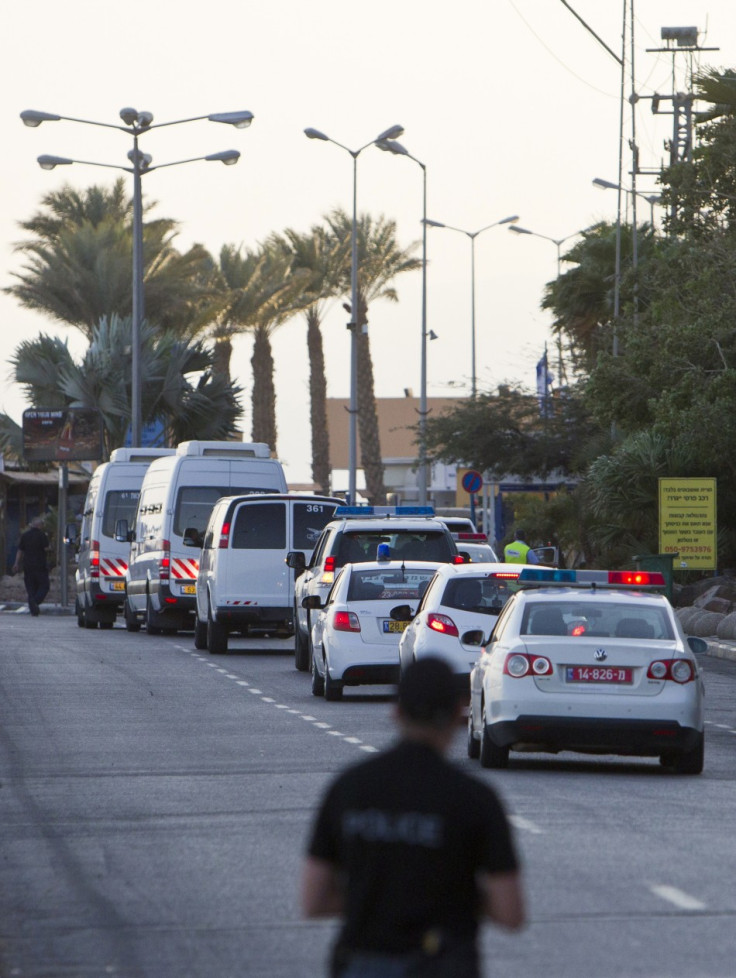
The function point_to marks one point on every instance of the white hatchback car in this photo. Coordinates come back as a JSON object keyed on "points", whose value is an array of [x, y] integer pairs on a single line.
{"points": [[593, 662], [355, 640], [457, 614]]}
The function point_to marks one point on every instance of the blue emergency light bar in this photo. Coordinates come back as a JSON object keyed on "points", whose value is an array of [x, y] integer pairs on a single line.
{"points": [[591, 578], [383, 511]]}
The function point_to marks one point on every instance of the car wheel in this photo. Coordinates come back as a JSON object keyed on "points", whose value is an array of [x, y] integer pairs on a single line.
{"points": [[151, 627], [79, 611], [318, 682], [301, 648], [473, 744], [200, 634], [491, 755], [131, 620], [333, 688], [89, 622], [216, 635], [691, 761]]}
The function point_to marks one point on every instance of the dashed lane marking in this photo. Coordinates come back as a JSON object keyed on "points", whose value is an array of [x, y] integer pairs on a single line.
{"points": [[682, 900], [525, 824], [307, 717]]}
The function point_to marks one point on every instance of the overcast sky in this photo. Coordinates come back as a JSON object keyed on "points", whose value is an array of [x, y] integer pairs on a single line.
{"points": [[511, 104]]}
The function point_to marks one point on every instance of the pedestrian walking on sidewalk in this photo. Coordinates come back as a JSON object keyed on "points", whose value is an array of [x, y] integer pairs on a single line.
{"points": [[410, 852], [31, 556]]}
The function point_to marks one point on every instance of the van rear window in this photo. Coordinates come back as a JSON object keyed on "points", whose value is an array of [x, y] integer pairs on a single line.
{"points": [[120, 504], [261, 527], [194, 504], [309, 521]]}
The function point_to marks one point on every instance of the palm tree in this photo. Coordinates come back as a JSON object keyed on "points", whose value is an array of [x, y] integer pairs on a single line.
{"points": [[78, 264], [380, 260], [323, 258], [178, 387], [260, 290]]}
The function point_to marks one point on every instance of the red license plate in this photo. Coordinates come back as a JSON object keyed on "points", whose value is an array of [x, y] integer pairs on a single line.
{"points": [[598, 674]]}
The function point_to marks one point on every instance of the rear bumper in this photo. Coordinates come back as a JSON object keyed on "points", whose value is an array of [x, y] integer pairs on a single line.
{"points": [[370, 675], [254, 615], [639, 738]]}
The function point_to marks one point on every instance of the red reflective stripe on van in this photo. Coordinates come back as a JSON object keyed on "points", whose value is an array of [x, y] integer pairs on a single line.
{"points": [[113, 566], [184, 568]]}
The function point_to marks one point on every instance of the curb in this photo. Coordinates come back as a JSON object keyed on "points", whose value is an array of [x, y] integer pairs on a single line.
{"points": [[721, 650]]}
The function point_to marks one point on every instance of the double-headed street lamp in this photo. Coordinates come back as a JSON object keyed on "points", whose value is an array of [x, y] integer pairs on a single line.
{"points": [[391, 146], [393, 133], [651, 199], [135, 124], [472, 235]]}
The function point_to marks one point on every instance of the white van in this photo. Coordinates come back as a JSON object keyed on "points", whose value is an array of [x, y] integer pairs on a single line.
{"points": [[101, 559], [244, 581], [177, 497]]}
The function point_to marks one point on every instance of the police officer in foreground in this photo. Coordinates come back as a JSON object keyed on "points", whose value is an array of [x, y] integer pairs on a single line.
{"points": [[411, 852], [519, 551]]}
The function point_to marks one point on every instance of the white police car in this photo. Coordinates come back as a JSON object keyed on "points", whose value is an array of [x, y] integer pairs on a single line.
{"points": [[593, 662], [458, 611], [355, 639]]}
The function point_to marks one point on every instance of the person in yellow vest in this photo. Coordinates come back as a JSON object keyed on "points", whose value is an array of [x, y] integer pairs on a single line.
{"points": [[519, 551]]}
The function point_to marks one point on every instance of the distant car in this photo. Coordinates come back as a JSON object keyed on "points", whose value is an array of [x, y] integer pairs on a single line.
{"points": [[458, 524], [353, 536], [355, 640], [593, 662], [457, 614], [476, 548]]}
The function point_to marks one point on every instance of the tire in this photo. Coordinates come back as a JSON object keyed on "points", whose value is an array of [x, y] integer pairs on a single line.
{"points": [[79, 612], [216, 636], [473, 744], [131, 621], [200, 634], [88, 623], [318, 682], [491, 755], [107, 623], [691, 761], [301, 648], [333, 688], [151, 627]]}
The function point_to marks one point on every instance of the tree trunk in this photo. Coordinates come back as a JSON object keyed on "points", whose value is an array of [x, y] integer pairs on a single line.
{"points": [[263, 397], [318, 405], [370, 440], [222, 352]]}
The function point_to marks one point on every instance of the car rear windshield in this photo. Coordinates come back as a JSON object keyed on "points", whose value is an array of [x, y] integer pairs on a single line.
{"points": [[358, 546], [120, 504], [604, 620], [389, 585], [485, 595]]}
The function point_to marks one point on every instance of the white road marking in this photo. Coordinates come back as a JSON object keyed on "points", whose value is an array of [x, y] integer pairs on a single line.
{"points": [[678, 897], [242, 682], [257, 692], [268, 699], [371, 750], [353, 740], [525, 824], [323, 726]]}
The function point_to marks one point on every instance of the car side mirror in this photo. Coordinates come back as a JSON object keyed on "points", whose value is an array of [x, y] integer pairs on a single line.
{"points": [[697, 645], [122, 533], [402, 612], [312, 601], [297, 561], [475, 636]]}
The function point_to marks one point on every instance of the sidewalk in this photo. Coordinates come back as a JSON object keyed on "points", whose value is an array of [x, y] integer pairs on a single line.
{"points": [[721, 649]]}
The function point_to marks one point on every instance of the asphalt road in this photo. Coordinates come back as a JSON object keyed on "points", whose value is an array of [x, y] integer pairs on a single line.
{"points": [[154, 804]]}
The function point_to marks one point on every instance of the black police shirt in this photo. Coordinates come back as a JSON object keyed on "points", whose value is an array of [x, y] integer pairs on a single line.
{"points": [[409, 831]]}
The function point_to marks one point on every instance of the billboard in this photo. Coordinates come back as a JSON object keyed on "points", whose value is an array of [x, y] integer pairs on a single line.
{"points": [[64, 435], [687, 522]]}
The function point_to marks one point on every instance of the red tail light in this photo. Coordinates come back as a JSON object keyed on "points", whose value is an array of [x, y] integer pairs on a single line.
{"points": [[519, 665], [346, 621], [329, 565], [164, 565], [677, 670], [442, 624], [94, 560], [642, 578], [224, 536], [457, 559]]}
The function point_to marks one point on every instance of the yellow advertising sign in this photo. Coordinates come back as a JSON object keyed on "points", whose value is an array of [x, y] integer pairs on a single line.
{"points": [[687, 522]]}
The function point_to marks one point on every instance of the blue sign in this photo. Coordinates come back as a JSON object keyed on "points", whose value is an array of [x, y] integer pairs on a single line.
{"points": [[472, 482]]}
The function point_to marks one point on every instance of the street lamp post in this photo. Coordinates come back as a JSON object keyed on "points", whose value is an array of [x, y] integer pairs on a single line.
{"points": [[472, 235], [651, 199], [393, 133], [391, 146], [135, 124], [558, 242]]}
